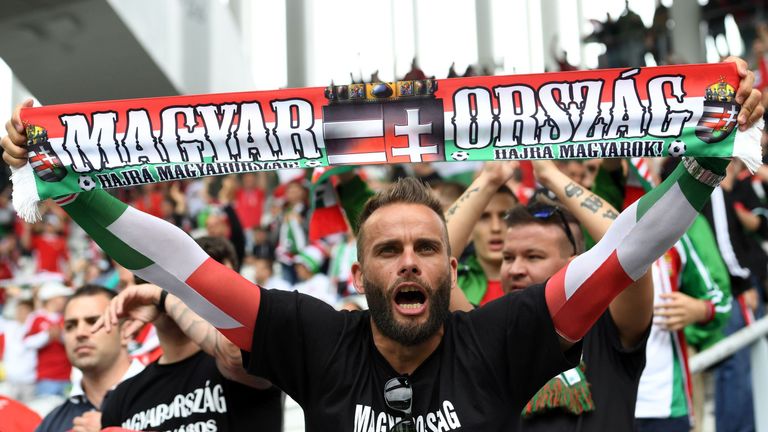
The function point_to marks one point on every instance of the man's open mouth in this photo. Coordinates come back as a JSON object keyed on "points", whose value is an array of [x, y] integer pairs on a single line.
{"points": [[410, 297]]}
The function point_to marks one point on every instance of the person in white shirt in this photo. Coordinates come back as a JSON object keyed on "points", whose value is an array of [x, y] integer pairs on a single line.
{"points": [[19, 360]]}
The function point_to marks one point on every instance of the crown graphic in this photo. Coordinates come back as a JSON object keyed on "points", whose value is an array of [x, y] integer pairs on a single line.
{"points": [[380, 91], [720, 91]]}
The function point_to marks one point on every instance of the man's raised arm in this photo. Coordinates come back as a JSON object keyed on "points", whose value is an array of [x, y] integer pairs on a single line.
{"points": [[579, 293], [156, 251]]}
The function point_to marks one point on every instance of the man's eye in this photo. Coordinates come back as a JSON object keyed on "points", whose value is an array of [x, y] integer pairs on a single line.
{"points": [[386, 250], [427, 248]]}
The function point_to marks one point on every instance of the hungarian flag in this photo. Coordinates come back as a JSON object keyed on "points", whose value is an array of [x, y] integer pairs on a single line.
{"points": [[326, 215]]}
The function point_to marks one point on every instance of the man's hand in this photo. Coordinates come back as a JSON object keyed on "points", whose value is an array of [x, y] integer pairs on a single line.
{"points": [[750, 297], [498, 173], [137, 303], [14, 143], [543, 170], [90, 421], [679, 310], [746, 95]]}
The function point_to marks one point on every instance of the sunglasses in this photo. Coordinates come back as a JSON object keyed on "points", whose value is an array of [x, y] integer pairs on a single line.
{"points": [[544, 212], [398, 395]]}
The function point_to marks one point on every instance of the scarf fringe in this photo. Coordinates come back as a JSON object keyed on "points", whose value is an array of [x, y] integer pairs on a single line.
{"points": [[24, 195], [746, 146]]}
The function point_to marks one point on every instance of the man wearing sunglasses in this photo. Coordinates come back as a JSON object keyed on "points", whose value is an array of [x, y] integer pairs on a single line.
{"points": [[407, 364], [540, 239]]}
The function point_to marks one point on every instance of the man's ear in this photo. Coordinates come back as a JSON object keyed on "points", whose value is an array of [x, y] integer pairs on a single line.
{"points": [[454, 271], [357, 277]]}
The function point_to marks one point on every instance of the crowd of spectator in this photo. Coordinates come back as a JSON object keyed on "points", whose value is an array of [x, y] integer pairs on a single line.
{"points": [[259, 223]]}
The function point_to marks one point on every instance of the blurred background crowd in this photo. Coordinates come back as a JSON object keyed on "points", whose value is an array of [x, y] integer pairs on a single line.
{"points": [[266, 215]]}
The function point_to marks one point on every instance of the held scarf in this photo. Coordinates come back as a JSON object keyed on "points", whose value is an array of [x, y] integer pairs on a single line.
{"points": [[614, 113]]}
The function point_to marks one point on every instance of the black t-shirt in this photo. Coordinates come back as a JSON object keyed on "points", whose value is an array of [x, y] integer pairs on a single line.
{"points": [[613, 373], [61, 418], [191, 395], [488, 365]]}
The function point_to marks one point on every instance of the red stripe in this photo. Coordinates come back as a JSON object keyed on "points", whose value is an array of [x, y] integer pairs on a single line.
{"points": [[555, 291], [231, 293], [591, 299], [64, 200], [241, 336]]}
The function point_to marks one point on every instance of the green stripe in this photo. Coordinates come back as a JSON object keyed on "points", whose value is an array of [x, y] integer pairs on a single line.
{"points": [[696, 193], [679, 406], [103, 207], [697, 262], [656, 193], [95, 210]]}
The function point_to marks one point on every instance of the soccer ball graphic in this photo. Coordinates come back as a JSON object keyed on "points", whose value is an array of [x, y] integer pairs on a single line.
{"points": [[313, 163], [676, 148], [86, 183], [459, 155]]}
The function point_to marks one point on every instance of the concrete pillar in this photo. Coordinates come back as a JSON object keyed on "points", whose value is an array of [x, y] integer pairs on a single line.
{"points": [[196, 30], [484, 20], [296, 42], [580, 23], [550, 24], [18, 92], [687, 38]]}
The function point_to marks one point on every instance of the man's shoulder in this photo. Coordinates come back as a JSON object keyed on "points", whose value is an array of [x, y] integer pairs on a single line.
{"points": [[62, 416]]}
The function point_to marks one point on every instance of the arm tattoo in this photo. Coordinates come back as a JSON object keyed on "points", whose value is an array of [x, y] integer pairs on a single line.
{"points": [[592, 203], [451, 211], [610, 214], [195, 328], [572, 189]]}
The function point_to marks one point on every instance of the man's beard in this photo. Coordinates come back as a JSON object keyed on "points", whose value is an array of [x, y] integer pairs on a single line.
{"points": [[381, 307]]}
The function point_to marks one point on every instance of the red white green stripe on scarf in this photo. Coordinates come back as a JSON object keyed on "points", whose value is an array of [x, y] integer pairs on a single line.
{"points": [[163, 254], [577, 294]]}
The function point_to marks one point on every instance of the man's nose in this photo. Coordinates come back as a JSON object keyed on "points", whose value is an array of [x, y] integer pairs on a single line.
{"points": [[497, 223], [82, 330], [517, 269], [409, 265]]}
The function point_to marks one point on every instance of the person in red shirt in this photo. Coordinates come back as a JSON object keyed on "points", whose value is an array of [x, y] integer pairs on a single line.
{"points": [[53, 367], [249, 199], [49, 246]]}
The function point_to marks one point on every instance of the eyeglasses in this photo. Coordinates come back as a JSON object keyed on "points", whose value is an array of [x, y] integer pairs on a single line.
{"points": [[544, 212], [398, 395]]}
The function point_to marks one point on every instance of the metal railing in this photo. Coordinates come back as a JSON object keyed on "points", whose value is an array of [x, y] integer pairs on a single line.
{"points": [[754, 335]]}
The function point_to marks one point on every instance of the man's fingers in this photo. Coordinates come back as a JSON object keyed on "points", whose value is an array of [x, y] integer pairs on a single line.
{"points": [[756, 115], [113, 310], [750, 105], [132, 327], [15, 150], [12, 161], [16, 118], [741, 64], [98, 325], [745, 87]]}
